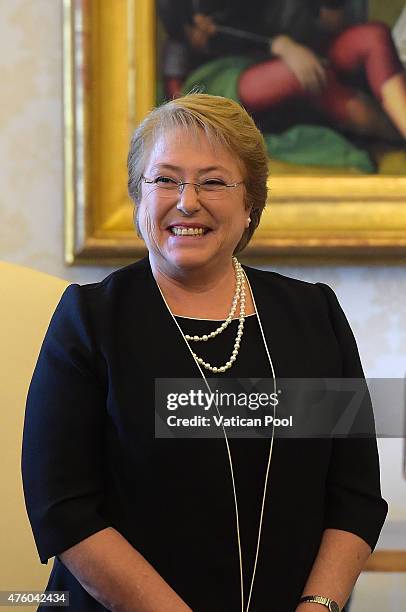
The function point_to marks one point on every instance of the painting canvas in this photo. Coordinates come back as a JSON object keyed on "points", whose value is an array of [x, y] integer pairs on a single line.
{"points": [[332, 113], [324, 80]]}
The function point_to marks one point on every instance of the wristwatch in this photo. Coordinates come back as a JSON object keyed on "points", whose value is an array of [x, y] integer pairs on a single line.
{"points": [[324, 601]]}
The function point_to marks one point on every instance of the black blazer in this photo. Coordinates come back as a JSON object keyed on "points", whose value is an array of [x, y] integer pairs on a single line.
{"points": [[90, 460]]}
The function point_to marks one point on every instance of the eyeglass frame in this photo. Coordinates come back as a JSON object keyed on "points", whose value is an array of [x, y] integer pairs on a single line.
{"points": [[181, 185]]}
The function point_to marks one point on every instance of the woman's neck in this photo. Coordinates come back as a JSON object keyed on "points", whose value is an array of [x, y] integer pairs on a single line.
{"points": [[200, 293]]}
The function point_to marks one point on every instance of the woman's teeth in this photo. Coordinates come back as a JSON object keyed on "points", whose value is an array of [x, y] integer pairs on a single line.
{"points": [[188, 231]]}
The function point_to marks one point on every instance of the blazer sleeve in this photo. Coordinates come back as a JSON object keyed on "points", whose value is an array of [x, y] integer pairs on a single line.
{"points": [[353, 500], [62, 459]]}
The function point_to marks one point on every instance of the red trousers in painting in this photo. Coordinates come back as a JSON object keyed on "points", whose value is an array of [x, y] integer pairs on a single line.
{"points": [[367, 46]]}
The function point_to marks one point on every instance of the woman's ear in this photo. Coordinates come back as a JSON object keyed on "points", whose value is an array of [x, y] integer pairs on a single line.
{"points": [[135, 221]]}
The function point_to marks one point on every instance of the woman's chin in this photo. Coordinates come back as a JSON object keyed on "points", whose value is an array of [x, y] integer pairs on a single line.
{"points": [[189, 251], [189, 258], [188, 261]]}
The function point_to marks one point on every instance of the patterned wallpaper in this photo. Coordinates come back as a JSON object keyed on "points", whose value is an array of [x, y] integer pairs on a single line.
{"points": [[31, 206]]}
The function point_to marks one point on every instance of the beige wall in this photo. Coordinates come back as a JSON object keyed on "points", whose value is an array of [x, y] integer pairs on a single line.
{"points": [[31, 164]]}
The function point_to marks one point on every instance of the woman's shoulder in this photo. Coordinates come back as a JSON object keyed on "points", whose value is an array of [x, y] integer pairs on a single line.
{"points": [[313, 298], [114, 296], [127, 275], [282, 282]]}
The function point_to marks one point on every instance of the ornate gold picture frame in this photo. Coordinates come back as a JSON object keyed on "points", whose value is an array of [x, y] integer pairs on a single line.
{"points": [[109, 85]]}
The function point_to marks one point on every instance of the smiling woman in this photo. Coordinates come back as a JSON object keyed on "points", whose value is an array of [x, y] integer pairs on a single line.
{"points": [[202, 121], [214, 170], [140, 522], [222, 214]]}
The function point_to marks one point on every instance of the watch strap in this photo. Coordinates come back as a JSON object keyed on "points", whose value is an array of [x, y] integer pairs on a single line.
{"points": [[330, 604]]}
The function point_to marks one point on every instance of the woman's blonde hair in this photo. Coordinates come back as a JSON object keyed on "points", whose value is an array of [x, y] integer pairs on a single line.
{"points": [[224, 122]]}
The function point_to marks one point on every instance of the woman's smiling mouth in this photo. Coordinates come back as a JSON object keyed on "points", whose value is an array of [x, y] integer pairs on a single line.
{"points": [[188, 230]]}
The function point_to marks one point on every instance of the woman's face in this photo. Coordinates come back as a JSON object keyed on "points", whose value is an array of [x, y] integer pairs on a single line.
{"points": [[180, 156]]}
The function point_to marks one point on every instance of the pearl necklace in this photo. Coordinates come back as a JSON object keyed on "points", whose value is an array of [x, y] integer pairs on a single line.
{"points": [[243, 608], [239, 277], [239, 293]]}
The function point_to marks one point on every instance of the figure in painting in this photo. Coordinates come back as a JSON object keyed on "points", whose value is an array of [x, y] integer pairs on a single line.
{"points": [[344, 71]]}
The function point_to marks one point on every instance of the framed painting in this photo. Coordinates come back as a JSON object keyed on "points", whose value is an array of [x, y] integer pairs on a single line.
{"points": [[335, 194]]}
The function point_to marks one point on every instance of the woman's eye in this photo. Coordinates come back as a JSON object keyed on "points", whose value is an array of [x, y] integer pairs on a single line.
{"points": [[164, 180], [213, 182]]}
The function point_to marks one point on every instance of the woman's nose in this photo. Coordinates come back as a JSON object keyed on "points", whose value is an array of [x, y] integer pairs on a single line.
{"points": [[188, 201]]}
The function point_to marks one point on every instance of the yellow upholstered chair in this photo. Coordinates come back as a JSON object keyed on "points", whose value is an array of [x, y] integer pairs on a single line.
{"points": [[28, 300]]}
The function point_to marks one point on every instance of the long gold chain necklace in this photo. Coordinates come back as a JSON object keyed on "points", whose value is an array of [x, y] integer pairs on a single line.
{"points": [[243, 609]]}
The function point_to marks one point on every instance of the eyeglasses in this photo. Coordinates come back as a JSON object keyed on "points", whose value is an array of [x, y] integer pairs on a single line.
{"points": [[211, 188]]}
